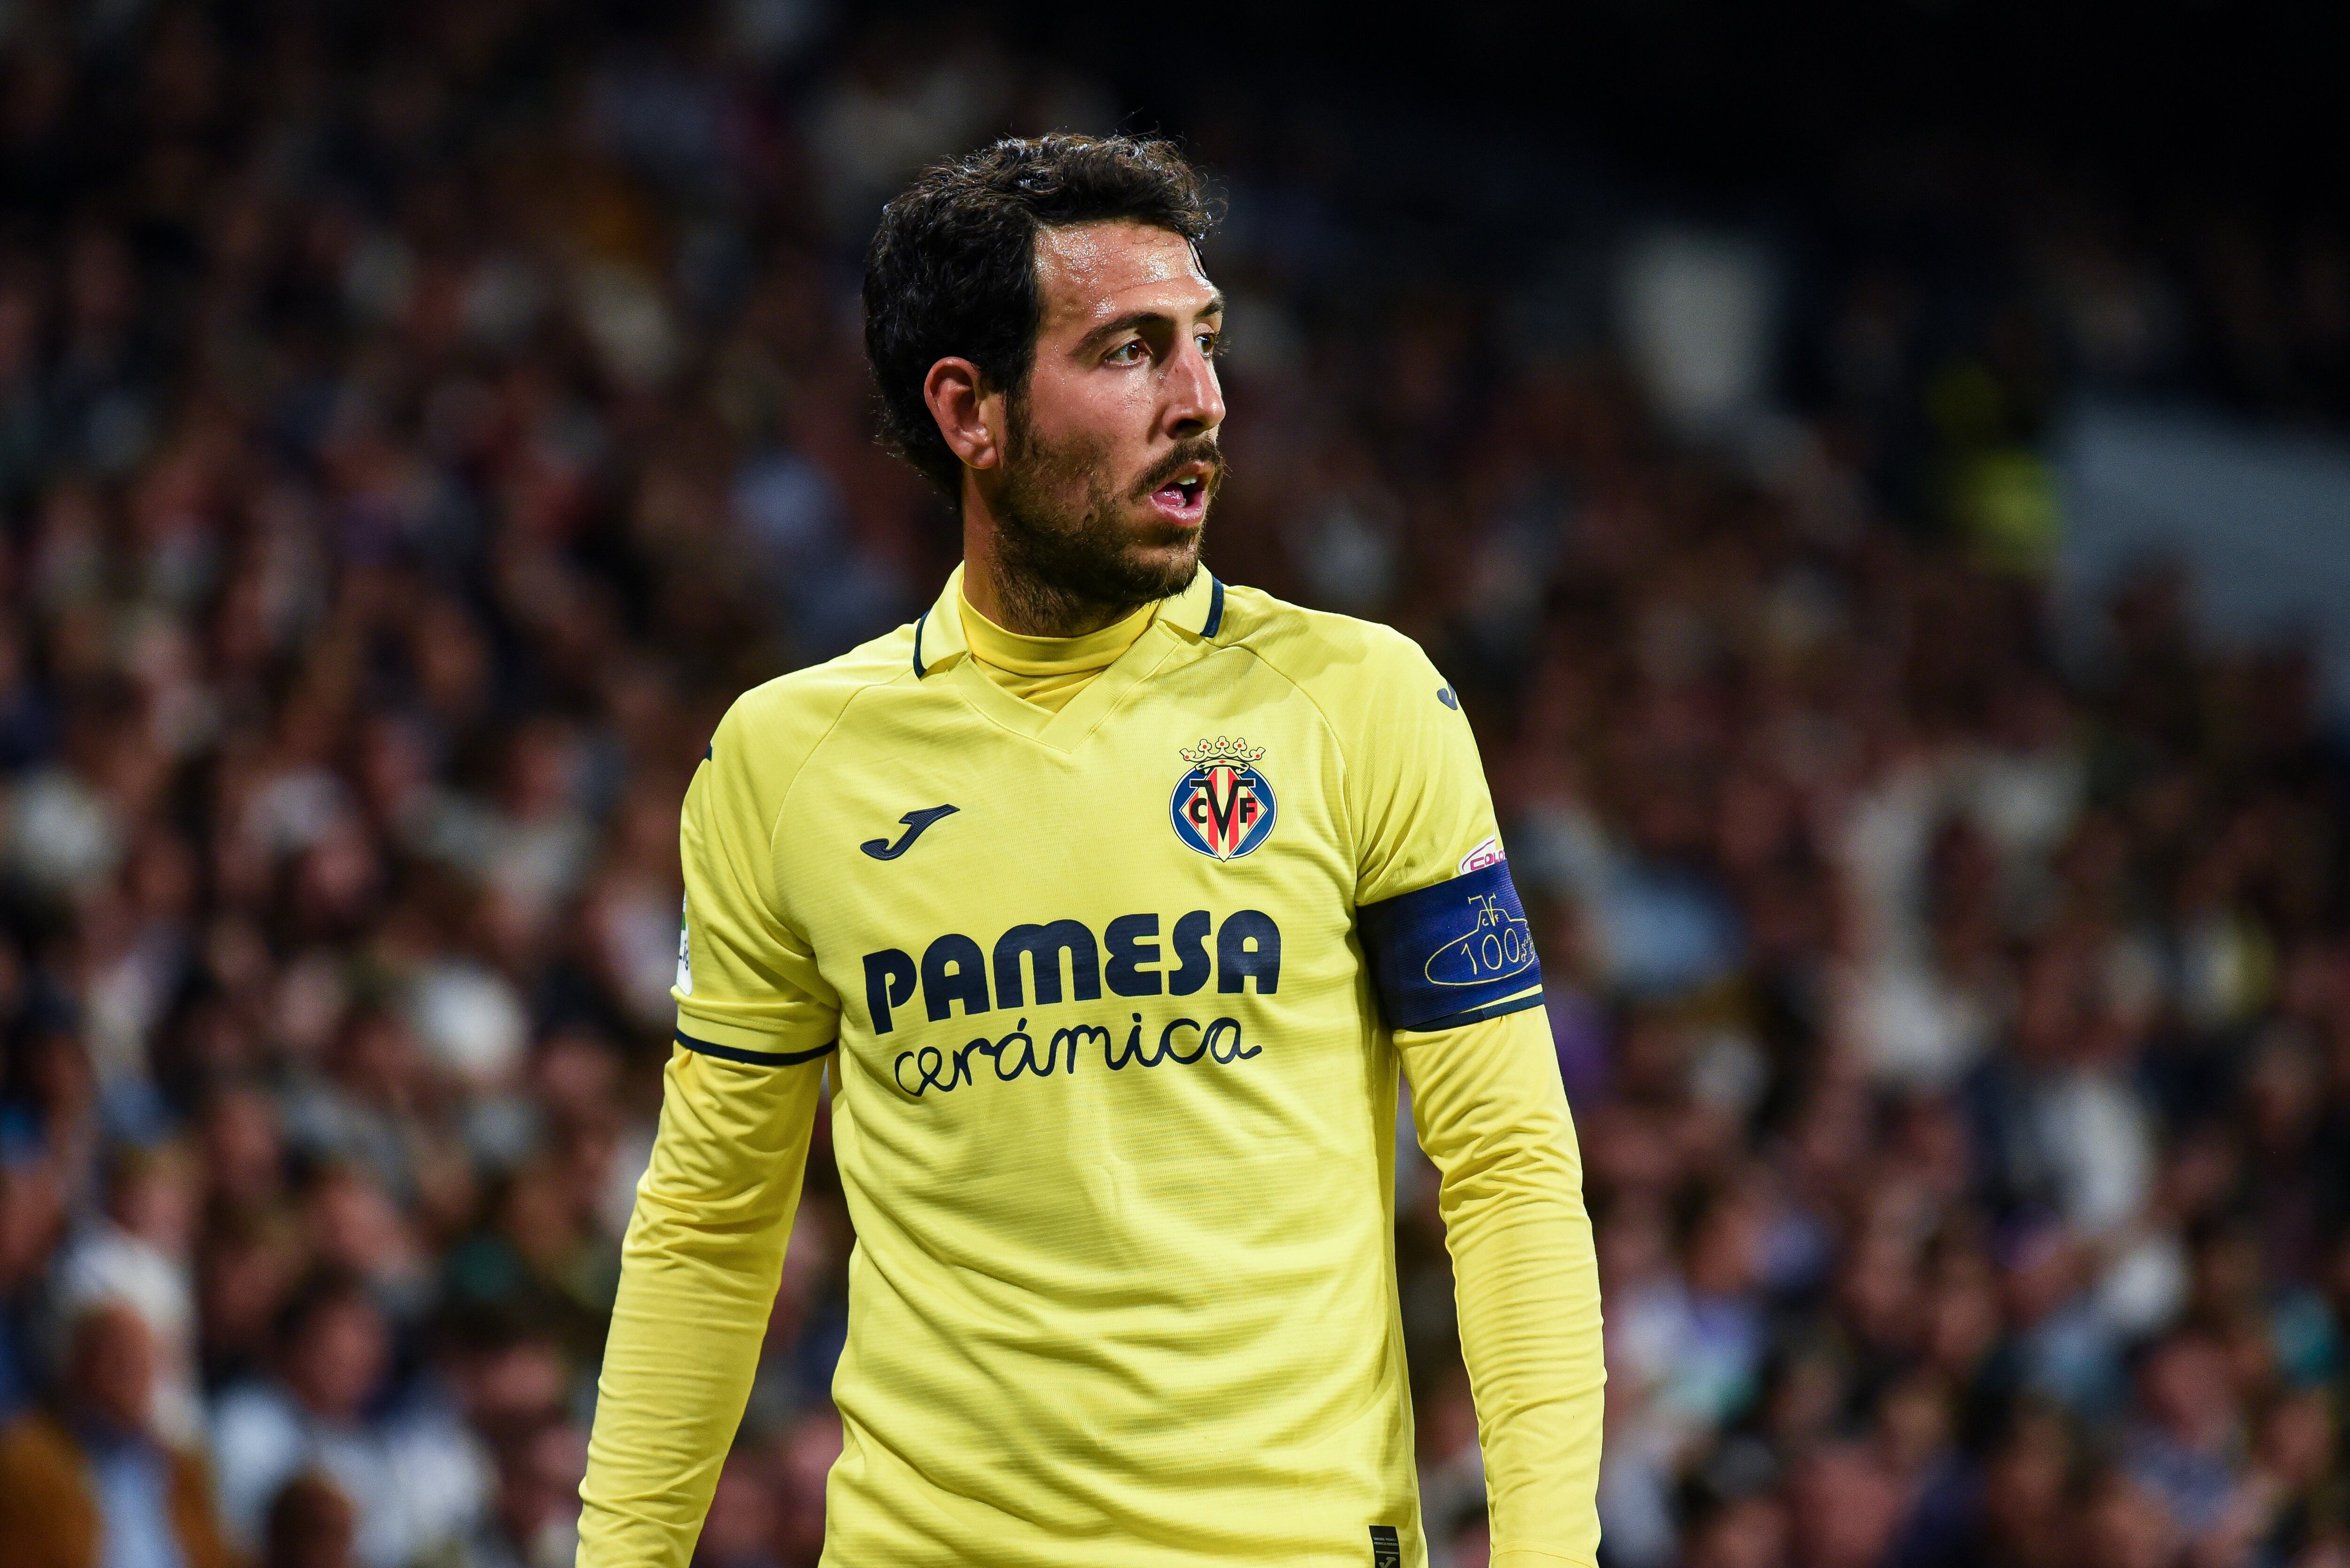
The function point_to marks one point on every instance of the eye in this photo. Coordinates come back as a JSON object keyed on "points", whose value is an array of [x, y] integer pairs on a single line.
{"points": [[1209, 342], [1131, 352]]}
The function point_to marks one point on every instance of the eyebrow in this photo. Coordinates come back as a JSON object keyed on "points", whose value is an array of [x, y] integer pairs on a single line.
{"points": [[1134, 318]]}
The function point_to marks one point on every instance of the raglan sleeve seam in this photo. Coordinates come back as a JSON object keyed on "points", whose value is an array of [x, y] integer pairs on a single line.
{"points": [[722, 1028], [1337, 741], [784, 916], [784, 801]]}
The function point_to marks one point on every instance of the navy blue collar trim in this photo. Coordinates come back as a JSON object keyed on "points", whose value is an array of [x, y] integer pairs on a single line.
{"points": [[918, 670]]}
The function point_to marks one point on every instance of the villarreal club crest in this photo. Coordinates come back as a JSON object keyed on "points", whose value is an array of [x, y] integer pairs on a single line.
{"points": [[1223, 807]]}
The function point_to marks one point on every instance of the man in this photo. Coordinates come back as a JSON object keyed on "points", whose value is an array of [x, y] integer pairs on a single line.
{"points": [[1112, 898], [89, 1483], [415, 1478]]}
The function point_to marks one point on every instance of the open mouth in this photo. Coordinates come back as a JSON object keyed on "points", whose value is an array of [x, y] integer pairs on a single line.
{"points": [[1184, 498]]}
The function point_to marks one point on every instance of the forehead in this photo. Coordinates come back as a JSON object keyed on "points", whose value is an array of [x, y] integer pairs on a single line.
{"points": [[1091, 273]]}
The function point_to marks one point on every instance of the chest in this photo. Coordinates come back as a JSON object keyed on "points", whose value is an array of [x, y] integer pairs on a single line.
{"points": [[1196, 829]]}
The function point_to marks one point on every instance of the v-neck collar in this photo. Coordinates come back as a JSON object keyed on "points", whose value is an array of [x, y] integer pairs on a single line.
{"points": [[942, 653]]}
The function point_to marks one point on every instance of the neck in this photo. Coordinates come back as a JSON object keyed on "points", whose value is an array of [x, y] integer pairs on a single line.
{"points": [[1017, 601]]}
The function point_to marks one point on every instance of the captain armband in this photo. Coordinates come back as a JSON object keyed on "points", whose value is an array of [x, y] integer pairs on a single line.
{"points": [[1452, 954]]}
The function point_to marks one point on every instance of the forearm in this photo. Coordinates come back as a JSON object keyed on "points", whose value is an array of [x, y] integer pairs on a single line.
{"points": [[1492, 1116], [700, 1267]]}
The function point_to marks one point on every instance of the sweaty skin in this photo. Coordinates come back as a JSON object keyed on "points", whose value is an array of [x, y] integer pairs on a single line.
{"points": [[1124, 383]]}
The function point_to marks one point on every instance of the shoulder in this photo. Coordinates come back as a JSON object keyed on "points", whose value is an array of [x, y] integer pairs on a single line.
{"points": [[773, 729], [45, 1484], [34, 1443], [1343, 664]]}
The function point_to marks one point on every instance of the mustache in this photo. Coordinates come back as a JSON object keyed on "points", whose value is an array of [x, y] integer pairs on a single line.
{"points": [[1187, 452]]}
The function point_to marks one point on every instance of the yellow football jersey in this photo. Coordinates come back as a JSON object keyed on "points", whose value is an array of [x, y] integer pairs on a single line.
{"points": [[1110, 999]]}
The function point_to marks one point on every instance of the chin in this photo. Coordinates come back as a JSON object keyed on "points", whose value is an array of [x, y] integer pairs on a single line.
{"points": [[1153, 531], [1159, 571], [1173, 556]]}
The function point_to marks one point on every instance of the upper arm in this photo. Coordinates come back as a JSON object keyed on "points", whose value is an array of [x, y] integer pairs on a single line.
{"points": [[1415, 785], [748, 988], [1440, 919]]}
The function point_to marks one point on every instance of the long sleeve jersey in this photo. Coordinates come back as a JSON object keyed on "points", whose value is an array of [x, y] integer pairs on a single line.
{"points": [[1115, 991]]}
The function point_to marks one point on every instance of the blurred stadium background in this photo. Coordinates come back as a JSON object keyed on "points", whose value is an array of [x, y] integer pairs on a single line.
{"points": [[1879, 477]]}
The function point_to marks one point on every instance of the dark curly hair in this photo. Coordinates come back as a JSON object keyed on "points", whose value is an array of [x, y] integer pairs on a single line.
{"points": [[952, 269]]}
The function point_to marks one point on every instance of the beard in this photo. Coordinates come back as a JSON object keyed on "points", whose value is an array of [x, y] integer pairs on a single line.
{"points": [[1071, 552]]}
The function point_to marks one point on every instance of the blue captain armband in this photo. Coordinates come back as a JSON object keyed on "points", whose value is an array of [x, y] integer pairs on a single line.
{"points": [[1452, 954]]}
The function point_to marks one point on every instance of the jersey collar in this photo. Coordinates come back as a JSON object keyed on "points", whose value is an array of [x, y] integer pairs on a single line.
{"points": [[1198, 611]]}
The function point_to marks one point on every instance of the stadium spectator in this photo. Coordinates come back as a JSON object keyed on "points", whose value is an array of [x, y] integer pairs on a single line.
{"points": [[414, 1478], [87, 1483], [411, 436], [309, 1526]]}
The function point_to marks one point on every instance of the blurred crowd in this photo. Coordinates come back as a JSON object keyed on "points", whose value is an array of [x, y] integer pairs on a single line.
{"points": [[417, 423]]}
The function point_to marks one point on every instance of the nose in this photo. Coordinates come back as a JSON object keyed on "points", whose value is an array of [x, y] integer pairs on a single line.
{"points": [[1195, 397]]}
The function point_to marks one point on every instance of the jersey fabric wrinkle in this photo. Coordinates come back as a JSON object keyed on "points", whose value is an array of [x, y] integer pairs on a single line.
{"points": [[1124, 1284]]}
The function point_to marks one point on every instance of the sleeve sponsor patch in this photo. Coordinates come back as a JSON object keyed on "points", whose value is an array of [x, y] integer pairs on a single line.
{"points": [[1486, 853], [1453, 953]]}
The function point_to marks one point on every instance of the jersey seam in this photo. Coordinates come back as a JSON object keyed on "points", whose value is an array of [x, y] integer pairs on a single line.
{"points": [[784, 803], [751, 1058], [1140, 680], [1118, 704], [1338, 738], [1482, 1013]]}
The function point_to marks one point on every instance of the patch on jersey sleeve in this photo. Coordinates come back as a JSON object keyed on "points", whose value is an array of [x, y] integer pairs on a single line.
{"points": [[684, 953], [1486, 853], [1454, 953]]}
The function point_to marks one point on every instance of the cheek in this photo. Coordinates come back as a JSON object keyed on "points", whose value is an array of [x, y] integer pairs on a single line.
{"points": [[1101, 416]]}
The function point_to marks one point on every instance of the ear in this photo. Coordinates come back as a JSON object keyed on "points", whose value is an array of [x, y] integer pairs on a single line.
{"points": [[968, 415]]}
